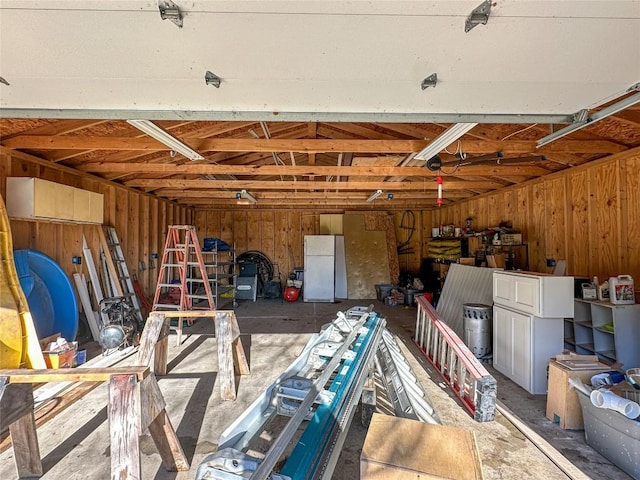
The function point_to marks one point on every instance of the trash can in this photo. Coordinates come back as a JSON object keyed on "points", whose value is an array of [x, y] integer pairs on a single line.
{"points": [[478, 329]]}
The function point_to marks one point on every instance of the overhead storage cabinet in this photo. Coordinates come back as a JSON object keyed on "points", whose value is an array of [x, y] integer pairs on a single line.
{"points": [[33, 198]]}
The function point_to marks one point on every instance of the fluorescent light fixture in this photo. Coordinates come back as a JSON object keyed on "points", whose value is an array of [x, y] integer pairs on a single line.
{"points": [[245, 198], [374, 195], [441, 142], [165, 137], [582, 119]]}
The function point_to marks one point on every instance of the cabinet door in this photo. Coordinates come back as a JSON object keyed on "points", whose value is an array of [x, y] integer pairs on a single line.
{"points": [[521, 348], [512, 345], [502, 332]]}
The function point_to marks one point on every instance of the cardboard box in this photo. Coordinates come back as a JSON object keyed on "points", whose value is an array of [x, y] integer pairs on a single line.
{"points": [[401, 449], [563, 406], [63, 359]]}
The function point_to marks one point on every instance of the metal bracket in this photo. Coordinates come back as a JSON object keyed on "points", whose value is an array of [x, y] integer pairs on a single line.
{"points": [[479, 15], [292, 392], [632, 88], [211, 78], [581, 116], [170, 11], [231, 464], [430, 81]]}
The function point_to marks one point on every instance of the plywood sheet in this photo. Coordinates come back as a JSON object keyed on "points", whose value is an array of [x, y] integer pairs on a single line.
{"points": [[401, 449], [366, 258]]}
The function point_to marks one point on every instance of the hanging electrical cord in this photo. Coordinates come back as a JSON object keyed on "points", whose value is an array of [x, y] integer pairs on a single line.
{"points": [[264, 265], [408, 224]]}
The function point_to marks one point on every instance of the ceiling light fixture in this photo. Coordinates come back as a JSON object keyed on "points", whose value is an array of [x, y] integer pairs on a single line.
{"points": [[166, 138], [374, 195], [245, 198], [582, 118], [441, 142]]}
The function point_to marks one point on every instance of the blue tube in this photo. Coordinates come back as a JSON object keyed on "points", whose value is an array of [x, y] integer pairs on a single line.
{"points": [[52, 301]]}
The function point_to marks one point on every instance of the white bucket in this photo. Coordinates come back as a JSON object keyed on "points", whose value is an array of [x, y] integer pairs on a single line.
{"points": [[621, 290]]}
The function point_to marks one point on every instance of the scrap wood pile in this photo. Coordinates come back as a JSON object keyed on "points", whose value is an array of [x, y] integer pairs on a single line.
{"points": [[113, 301]]}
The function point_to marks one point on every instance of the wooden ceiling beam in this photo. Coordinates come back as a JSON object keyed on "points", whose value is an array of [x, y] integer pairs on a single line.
{"points": [[291, 185], [332, 194], [47, 142], [192, 168]]}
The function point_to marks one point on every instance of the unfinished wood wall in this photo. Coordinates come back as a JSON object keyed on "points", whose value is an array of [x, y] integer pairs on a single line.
{"points": [[589, 215], [280, 234], [140, 220]]}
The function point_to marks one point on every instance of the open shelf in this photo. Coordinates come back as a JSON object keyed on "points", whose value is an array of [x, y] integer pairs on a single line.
{"points": [[586, 332]]}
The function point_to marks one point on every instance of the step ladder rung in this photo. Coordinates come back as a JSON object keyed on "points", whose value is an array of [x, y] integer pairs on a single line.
{"points": [[176, 285], [166, 306], [198, 297]]}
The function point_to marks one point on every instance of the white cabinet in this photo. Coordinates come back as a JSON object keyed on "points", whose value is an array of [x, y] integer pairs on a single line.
{"points": [[537, 294], [528, 325]]}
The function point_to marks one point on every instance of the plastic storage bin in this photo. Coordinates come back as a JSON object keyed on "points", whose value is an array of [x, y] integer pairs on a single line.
{"points": [[613, 435]]}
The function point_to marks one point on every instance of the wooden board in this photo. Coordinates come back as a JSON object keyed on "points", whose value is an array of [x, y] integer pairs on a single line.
{"points": [[366, 258], [402, 449]]}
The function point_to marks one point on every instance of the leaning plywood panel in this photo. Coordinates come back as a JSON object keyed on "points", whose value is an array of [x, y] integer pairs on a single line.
{"points": [[366, 258]]}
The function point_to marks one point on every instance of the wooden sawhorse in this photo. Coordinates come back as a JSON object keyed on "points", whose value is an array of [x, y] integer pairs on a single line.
{"points": [[154, 344], [135, 404]]}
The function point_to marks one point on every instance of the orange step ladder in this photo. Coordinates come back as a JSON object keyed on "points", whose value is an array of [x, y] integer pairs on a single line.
{"points": [[182, 276]]}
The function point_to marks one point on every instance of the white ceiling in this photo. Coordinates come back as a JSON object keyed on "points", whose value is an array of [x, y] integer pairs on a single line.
{"points": [[331, 60]]}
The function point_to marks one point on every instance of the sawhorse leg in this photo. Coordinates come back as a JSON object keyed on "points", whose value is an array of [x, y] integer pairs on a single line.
{"points": [[16, 413], [135, 406]]}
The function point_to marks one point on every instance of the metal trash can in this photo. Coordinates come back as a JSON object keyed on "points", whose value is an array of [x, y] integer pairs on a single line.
{"points": [[478, 329]]}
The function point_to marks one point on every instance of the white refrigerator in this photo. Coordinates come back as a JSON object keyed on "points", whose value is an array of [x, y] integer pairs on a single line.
{"points": [[319, 268]]}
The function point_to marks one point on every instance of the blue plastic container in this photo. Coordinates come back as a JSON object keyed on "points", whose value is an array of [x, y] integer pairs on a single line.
{"points": [[49, 294]]}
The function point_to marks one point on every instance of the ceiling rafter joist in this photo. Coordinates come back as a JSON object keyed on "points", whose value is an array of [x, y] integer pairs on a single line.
{"points": [[289, 185], [47, 142], [298, 170]]}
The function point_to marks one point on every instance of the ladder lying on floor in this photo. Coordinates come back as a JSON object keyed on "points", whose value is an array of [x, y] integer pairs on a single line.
{"points": [[182, 271], [457, 365], [323, 386]]}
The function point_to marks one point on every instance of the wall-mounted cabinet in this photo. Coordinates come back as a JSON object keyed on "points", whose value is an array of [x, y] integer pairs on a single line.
{"points": [[36, 199], [612, 332]]}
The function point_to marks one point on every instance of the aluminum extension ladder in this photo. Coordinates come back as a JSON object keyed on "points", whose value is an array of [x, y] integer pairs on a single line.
{"points": [[123, 285], [322, 386], [457, 365]]}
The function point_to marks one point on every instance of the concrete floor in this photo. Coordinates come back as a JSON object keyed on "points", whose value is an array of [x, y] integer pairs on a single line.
{"points": [[75, 444]]}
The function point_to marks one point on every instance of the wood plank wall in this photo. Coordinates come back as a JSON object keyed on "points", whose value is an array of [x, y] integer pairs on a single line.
{"points": [[589, 216], [140, 220], [279, 234]]}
